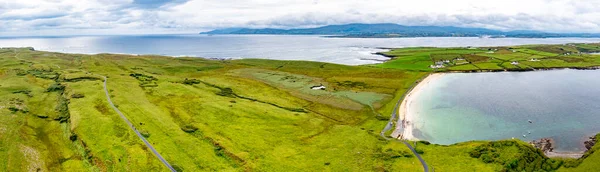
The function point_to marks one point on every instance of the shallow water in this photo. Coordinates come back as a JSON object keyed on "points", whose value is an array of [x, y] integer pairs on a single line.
{"points": [[562, 104], [351, 51]]}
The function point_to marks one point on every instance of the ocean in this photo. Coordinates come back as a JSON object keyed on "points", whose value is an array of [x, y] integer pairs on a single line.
{"points": [[349, 51]]}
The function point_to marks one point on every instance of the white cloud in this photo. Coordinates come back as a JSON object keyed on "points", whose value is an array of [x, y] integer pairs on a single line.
{"points": [[153, 16]]}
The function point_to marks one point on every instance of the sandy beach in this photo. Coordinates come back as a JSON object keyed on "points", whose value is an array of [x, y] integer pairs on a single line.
{"points": [[405, 117]]}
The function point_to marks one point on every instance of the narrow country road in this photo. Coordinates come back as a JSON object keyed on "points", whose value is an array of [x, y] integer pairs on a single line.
{"points": [[425, 166], [134, 130], [390, 125]]}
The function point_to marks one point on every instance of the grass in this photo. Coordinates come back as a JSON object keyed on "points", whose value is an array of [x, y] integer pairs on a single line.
{"points": [[231, 115], [529, 57], [195, 126]]}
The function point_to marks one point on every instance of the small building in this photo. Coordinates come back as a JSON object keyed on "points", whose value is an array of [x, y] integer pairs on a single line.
{"points": [[437, 66], [320, 87], [514, 63], [534, 60]]}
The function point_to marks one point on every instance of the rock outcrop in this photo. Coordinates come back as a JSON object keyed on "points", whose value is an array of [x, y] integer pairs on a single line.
{"points": [[590, 143], [544, 144]]}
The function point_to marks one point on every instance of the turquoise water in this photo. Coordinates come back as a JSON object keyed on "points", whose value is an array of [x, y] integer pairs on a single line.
{"points": [[562, 104]]}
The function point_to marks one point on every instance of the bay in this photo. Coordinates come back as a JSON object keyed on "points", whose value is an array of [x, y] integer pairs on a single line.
{"points": [[561, 104]]}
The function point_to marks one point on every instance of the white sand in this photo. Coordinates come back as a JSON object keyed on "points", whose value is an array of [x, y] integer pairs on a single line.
{"points": [[405, 117]]}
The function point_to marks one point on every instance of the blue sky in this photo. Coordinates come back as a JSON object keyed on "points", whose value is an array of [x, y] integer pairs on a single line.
{"points": [[66, 17]]}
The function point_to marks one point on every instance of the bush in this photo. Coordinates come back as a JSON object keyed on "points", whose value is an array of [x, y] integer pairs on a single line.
{"points": [[189, 128], [382, 118], [424, 142], [73, 137], [487, 158], [145, 134], [41, 116], [177, 168], [77, 96], [191, 81], [226, 92], [528, 158], [26, 92], [14, 109], [63, 110], [55, 87], [419, 151]]}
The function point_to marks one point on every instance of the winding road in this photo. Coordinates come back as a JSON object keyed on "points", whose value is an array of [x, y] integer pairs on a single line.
{"points": [[390, 125], [134, 130]]}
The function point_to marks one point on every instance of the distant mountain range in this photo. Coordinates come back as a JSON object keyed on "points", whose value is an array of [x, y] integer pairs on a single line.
{"points": [[386, 30]]}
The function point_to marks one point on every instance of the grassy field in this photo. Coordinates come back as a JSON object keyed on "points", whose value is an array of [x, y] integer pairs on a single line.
{"points": [[222, 115], [515, 58]]}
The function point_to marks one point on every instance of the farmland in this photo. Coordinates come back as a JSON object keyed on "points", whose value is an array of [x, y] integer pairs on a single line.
{"points": [[513, 58]]}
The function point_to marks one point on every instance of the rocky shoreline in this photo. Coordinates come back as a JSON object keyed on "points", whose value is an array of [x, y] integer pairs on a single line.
{"points": [[590, 143], [546, 145]]}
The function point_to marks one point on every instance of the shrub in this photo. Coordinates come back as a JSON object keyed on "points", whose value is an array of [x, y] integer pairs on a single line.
{"points": [[191, 81], [528, 158], [55, 87], [424, 142], [14, 109], [419, 151], [382, 118], [26, 92], [177, 168], [77, 96], [63, 110], [226, 92], [41, 116], [145, 134], [189, 128], [73, 137]]}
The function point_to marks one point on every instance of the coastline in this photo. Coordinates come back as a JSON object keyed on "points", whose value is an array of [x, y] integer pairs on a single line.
{"points": [[404, 125]]}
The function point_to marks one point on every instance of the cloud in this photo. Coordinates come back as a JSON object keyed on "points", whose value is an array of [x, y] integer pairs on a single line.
{"points": [[191, 16], [155, 3]]}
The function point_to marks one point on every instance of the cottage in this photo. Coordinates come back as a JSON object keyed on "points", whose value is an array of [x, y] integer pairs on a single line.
{"points": [[514, 63], [534, 60]]}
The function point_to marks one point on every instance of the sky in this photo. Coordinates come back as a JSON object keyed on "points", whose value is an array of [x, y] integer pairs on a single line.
{"points": [[99, 17]]}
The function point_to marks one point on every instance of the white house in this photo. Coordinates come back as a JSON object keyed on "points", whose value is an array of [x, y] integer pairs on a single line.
{"points": [[320, 87]]}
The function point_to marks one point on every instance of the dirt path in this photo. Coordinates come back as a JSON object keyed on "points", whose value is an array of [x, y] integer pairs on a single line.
{"points": [[134, 130]]}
